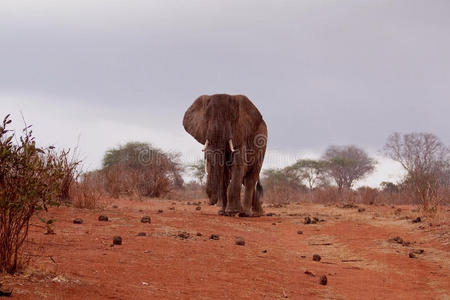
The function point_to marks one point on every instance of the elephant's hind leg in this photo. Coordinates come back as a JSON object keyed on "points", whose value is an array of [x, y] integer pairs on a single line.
{"points": [[256, 201]]}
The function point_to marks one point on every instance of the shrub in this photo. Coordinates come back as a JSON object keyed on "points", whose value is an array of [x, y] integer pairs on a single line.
{"points": [[139, 169], [30, 180], [88, 192]]}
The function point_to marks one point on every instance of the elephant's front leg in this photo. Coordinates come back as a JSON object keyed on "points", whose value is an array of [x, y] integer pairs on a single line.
{"points": [[234, 188]]}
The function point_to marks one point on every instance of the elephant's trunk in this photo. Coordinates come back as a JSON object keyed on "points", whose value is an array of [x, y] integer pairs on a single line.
{"points": [[217, 152]]}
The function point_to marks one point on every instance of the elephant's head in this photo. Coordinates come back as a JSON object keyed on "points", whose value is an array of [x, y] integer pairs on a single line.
{"points": [[222, 123]]}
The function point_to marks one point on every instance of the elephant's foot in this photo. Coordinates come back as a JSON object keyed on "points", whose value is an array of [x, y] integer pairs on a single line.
{"points": [[230, 213], [257, 213], [245, 213], [212, 201]]}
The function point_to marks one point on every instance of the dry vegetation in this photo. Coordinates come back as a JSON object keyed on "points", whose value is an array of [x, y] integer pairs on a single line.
{"points": [[33, 178]]}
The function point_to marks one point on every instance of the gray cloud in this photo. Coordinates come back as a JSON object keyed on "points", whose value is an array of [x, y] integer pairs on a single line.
{"points": [[321, 72]]}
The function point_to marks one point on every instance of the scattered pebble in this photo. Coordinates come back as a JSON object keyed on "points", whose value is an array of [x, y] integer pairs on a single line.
{"points": [[214, 237], [103, 218], [141, 234], [115, 206], [78, 221], [145, 219], [198, 208], [264, 251], [399, 240], [184, 235], [323, 280], [117, 240], [299, 232], [160, 211], [271, 214], [308, 220], [240, 241], [412, 255], [199, 234], [417, 220], [171, 208], [274, 223], [361, 209], [310, 273], [316, 257]]}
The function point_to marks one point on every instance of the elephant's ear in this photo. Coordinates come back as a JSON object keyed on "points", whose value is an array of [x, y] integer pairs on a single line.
{"points": [[249, 116], [195, 121]]}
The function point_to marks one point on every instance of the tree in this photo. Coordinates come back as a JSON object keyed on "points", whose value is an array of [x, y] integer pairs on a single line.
{"points": [[313, 172], [347, 164], [425, 159], [389, 187], [199, 170], [141, 169]]}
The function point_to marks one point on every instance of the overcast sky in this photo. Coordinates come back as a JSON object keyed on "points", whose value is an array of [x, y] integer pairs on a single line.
{"points": [[101, 73]]}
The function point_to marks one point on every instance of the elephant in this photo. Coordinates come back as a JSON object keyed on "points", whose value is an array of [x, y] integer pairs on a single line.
{"points": [[234, 136]]}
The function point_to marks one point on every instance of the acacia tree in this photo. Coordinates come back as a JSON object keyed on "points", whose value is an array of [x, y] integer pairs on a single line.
{"points": [[141, 169], [313, 172], [347, 164], [199, 170], [426, 161]]}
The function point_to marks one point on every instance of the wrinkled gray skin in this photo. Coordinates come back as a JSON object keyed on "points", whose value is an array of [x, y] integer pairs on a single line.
{"points": [[235, 137]]}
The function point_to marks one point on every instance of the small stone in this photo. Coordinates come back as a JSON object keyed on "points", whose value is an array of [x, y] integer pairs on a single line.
{"points": [[160, 211], [198, 208], [316, 257], [264, 251], [323, 280], [145, 219], [307, 220], [141, 234], [417, 220], [299, 232], [271, 214], [171, 208], [78, 221], [5, 292], [214, 237], [103, 218], [361, 209], [184, 235], [189, 203], [117, 240], [240, 241], [274, 223], [115, 206], [418, 251], [412, 255], [199, 234], [310, 273]]}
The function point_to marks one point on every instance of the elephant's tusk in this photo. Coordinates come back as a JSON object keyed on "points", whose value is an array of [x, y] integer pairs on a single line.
{"points": [[230, 142], [206, 145], [206, 168]]}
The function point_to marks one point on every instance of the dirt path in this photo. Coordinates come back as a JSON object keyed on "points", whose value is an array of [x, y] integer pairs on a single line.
{"points": [[78, 262]]}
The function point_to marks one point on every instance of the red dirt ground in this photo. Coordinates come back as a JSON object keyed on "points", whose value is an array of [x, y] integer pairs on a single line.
{"points": [[79, 261]]}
